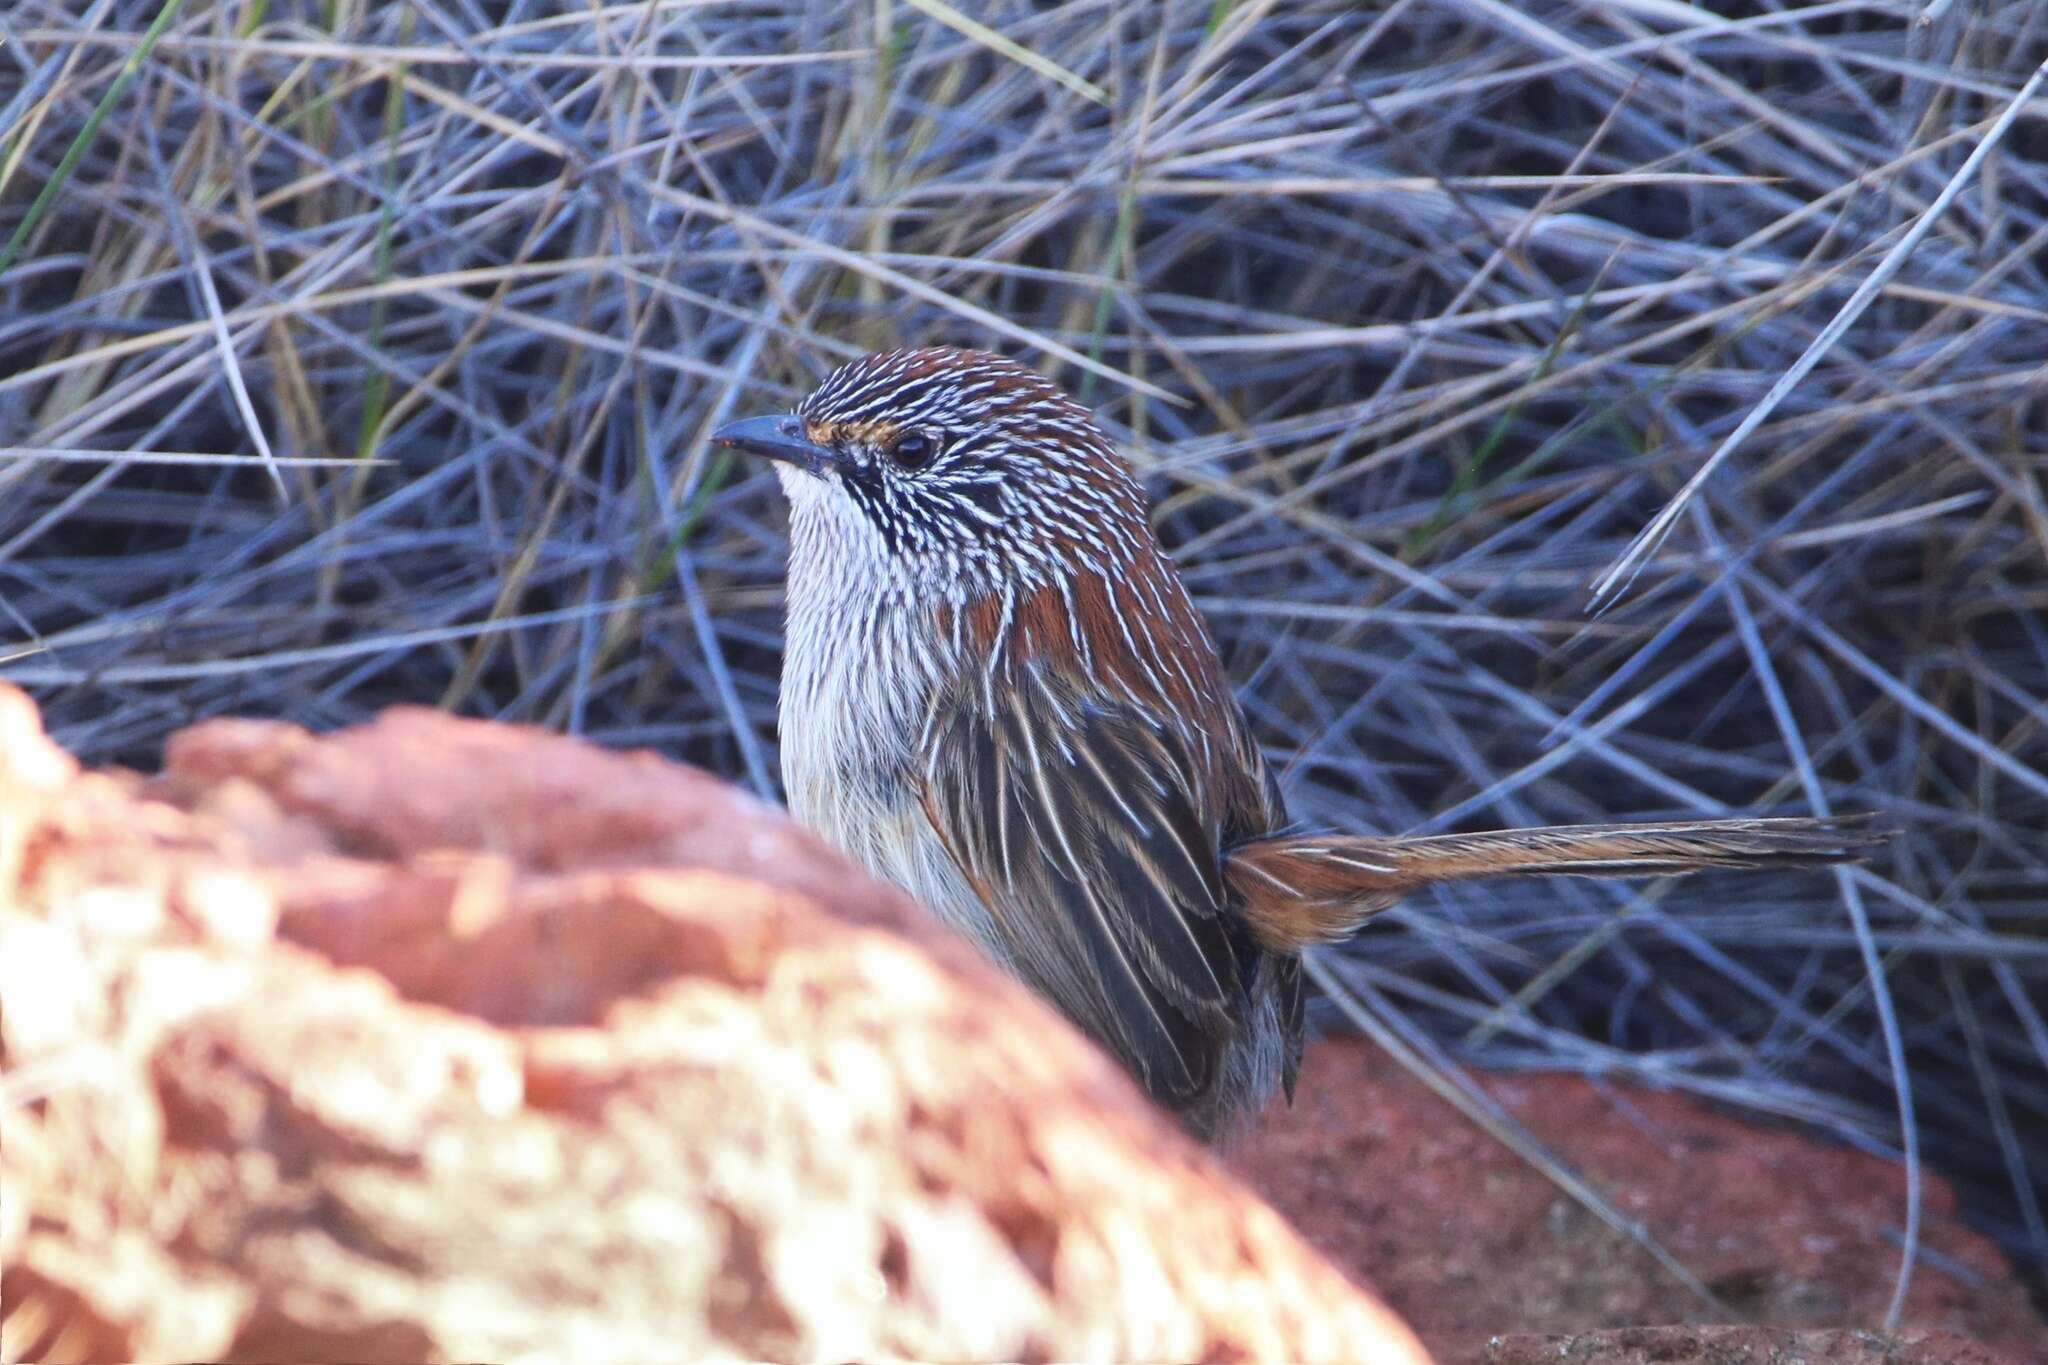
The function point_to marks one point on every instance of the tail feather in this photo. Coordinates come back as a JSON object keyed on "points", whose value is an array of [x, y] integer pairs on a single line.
{"points": [[1305, 889]]}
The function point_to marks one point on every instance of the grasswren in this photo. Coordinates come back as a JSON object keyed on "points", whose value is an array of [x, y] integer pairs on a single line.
{"points": [[997, 695]]}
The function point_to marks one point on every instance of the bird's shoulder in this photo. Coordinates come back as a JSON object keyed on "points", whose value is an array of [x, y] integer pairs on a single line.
{"points": [[1111, 680]]}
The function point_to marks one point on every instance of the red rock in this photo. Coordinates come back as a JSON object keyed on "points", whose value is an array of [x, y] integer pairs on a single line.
{"points": [[1739, 1346], [436, 1039], [1466, 1241]]}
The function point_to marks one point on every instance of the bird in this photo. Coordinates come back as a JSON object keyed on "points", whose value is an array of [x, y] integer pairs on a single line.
{"points": [[997, 694]]}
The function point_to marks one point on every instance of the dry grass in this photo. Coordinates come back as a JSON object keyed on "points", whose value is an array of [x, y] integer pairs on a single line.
{"points": [[360, 353]]}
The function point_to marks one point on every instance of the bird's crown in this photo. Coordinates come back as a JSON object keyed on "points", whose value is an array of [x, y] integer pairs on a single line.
{"points": [[959, 465]]}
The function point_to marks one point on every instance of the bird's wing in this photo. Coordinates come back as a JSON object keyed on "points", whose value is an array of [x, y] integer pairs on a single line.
{"points": [[1091, 827]]}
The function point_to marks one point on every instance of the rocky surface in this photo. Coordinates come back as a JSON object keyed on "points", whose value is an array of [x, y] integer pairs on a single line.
{"points": [[436, 1039], [441, 1040], [1740, 1346], [1466, 1241]]}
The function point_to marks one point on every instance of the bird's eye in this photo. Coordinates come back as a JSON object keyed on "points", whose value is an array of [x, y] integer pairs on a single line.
{"points": [[913, 450]]}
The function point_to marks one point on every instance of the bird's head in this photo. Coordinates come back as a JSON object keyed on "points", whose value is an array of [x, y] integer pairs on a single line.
{"points": [[950, 473]]}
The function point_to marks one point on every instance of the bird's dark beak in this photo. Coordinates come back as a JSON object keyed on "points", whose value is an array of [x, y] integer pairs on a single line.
{"points": [[778, 438]]}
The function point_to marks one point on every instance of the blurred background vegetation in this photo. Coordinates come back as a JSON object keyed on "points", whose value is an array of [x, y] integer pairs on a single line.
{"points": [[359, 353]]}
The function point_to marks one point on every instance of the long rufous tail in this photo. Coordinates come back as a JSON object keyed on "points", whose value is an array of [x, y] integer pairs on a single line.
{"points": [[1305, 889]]}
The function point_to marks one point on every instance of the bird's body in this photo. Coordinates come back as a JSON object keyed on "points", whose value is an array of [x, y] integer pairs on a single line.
{"points": [[897, 684], [997, 695]]}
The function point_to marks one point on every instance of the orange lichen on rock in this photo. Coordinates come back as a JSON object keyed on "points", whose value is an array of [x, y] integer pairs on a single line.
{"points": [[437, 1039]]}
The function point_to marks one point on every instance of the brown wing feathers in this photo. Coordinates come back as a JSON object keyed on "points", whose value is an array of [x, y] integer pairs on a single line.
{"points": [[1076, 781], [1099, 885], [1304, 890]]}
